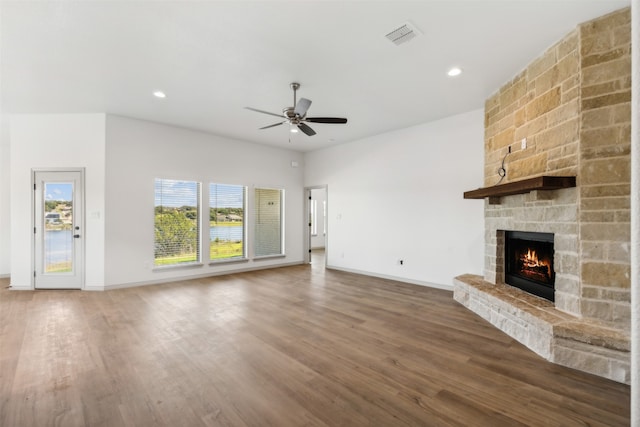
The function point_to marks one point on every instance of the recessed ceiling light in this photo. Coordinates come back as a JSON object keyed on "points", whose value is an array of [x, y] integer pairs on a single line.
{"points": [[455, 71], [159, 94]]}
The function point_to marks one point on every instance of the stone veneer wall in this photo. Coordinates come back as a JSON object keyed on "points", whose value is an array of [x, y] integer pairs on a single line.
{"points": [[605, 169], [541, 104], [572, 105]]}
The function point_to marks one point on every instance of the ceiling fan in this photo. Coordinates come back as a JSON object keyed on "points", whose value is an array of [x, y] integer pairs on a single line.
{"points": [[297, 116]]}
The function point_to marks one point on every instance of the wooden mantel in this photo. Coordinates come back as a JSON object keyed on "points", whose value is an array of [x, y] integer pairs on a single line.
{"points": [[524, 186]]}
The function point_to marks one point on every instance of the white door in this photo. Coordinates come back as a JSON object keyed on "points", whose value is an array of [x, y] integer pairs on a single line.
{"points": [[58, 230]]}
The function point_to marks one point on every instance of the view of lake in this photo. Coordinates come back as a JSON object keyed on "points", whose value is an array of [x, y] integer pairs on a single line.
{"points": [[58, 244], [230, 233]]}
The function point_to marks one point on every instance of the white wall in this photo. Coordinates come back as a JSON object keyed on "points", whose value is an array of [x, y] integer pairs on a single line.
{"points": [[56, 141], [5, 191], [320, 196], [399, 196], [140, 151]]}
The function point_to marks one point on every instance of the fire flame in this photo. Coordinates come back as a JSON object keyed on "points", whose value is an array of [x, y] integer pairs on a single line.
{"points": [[530, 260]]}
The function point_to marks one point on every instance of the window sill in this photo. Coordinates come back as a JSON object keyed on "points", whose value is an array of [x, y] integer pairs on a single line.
{"points": [[228, 261], [177, 267], [259, 258]]}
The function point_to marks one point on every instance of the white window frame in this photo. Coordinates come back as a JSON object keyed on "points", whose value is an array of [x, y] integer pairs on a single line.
{"points": [[243, 257], [314, 217], [257, 222], [198, 243], [324, 217]]}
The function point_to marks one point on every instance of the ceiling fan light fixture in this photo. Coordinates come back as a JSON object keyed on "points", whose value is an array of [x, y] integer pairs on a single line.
{"points": [[159, 94], [455, 71], [293, 130]]}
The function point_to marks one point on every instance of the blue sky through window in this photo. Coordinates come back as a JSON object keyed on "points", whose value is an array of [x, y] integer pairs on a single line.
{"points": [[226, 196], [62, 191], [174, 193]]}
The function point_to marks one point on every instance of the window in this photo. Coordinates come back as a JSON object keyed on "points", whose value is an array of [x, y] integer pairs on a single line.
{"points": [[226, 222], [176, 222], [269, 228], [314, 217], [324, 217]]}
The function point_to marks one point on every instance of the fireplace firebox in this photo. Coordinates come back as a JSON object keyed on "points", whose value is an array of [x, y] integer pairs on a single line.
{"points": [[529, 262]]}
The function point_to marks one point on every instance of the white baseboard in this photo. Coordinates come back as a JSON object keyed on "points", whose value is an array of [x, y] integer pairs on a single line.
{"points": [[396, 278], [197, 276], [20, 288], [242, 270]]}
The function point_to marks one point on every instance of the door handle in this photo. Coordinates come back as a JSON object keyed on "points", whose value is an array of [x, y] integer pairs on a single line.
{"points": [[76, 236]]}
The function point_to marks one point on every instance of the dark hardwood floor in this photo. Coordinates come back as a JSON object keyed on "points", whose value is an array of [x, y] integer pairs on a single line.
{"points": [[295, 346]]}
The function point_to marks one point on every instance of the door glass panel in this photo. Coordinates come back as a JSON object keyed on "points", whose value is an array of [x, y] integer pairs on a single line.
{"points": [[58, 227]]}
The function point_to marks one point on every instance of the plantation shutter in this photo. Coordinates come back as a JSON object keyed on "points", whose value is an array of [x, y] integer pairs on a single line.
{"points": [[226, 221], [176, 222], [269, 228]]}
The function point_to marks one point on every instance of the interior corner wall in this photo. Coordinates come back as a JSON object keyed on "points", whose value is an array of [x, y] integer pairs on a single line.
{"points": [[139, 151], [56, 141], [399, 196], [5, 191]]}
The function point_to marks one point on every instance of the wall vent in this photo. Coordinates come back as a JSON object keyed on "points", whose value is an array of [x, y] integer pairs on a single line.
{"points": [[403, 34]]}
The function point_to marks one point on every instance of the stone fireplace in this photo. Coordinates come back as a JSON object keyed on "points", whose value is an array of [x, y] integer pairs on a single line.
{"points": [[567, 114]]}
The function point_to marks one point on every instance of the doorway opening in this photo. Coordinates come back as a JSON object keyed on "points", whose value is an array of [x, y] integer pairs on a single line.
{"points": [[317, 230]]}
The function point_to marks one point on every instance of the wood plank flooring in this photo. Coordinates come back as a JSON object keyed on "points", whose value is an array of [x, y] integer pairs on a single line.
{"points": [[295, 346]]}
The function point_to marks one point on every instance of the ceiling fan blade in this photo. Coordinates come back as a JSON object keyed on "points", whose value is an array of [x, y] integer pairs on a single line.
{"points": [[263, 112], [302, 106], [326, 120], [274, 125], [306, 129]]}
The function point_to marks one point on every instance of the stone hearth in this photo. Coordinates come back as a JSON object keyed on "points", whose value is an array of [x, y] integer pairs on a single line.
{"points": [[557, 336], [567, 114]]}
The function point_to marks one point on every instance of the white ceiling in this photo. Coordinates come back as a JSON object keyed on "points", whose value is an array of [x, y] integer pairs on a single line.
{"points": [[214, 58]]}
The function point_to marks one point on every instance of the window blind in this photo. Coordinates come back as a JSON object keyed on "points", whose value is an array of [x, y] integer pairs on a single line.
{"points": [[269, 228], [226, 221], [176, 222]]}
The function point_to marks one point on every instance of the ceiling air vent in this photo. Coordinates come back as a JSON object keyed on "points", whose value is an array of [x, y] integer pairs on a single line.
{"points": [[403, 33]]}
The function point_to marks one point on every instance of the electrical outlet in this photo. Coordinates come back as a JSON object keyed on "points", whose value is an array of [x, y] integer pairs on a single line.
{"points": [[401, 262], [523, 143]]}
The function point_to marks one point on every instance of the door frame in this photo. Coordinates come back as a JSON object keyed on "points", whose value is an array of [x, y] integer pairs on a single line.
{"points": [[306, 256], [82, 217]]}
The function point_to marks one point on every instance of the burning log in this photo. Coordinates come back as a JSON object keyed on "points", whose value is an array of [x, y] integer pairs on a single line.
{"points": [[530, 265]]}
